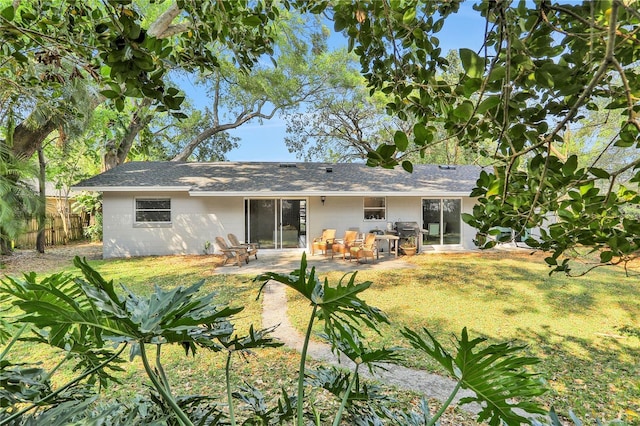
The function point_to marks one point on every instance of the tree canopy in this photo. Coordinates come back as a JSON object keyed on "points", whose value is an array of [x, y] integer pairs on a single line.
{"points": [[541, 69], [544, 66]]}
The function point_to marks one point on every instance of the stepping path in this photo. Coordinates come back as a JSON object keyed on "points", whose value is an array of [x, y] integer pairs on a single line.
{"points": [[274, 313]]}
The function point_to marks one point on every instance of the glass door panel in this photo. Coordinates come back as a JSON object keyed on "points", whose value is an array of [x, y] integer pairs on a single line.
{"points": [[441, 219], [293, 229], [276, 223], [261, 222], [451, 213], [431, 221]]}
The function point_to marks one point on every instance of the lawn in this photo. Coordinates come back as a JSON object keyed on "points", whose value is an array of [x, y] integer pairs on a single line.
{"points": [[268, 370], [572, 324]]}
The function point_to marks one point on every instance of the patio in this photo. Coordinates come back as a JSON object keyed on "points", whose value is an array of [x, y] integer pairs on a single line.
{"points": [[288, 260]]}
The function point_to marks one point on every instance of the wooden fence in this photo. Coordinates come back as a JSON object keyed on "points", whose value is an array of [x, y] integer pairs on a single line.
{"points": [[53, 232]]}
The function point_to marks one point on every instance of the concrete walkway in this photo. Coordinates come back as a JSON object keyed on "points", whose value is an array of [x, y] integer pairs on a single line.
{"points": [[274, 313]]}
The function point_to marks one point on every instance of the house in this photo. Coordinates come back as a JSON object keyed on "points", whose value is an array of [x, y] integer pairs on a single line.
{"points": [[159, 208]]}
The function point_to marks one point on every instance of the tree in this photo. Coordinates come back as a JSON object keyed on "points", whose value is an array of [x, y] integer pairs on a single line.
{"points": [[17, 200], [541, 68], [141, 47], [165, 138], [64, 61], [348, 123], [343, 125], [298, 72], [111, 44]]}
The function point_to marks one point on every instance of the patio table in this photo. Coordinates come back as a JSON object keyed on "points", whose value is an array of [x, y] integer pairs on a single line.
{"points": [[388, 238]]}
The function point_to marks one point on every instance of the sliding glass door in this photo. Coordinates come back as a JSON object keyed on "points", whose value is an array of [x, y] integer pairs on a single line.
{"points": [[276, 223], [441, 219]]}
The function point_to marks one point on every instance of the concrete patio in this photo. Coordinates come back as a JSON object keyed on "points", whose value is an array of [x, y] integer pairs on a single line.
{"points": [[288, 260]]}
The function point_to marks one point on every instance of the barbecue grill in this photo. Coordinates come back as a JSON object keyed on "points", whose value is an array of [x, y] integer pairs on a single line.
{"points": [[409, 229]]}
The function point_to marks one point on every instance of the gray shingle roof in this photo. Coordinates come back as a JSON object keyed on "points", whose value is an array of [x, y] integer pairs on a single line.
{"points": [[283, 178]]}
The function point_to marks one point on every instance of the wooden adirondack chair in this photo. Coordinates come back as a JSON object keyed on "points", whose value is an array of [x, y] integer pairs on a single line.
{"points": [[252, 248], [235, 254]]}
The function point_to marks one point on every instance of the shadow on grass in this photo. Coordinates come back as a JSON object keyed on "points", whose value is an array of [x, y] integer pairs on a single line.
{"points": [[596, 380]]}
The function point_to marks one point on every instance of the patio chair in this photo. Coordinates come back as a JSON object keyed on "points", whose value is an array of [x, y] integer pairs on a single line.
{"points": [[368, 248], [344, 245], [234, 254], [324, 242], [252, 248]]}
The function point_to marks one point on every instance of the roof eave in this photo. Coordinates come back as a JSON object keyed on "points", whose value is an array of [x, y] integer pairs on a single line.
{"points": [[132, 188], [329, 193]]}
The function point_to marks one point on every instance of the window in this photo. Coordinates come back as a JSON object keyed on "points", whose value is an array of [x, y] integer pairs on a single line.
{"points": [[153, 210], [375, 208]]}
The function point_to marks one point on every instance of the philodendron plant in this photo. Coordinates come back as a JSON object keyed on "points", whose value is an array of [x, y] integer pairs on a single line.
{"points": [[92, 323]]}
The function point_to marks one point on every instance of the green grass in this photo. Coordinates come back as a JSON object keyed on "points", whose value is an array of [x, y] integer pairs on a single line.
{"points": [[572, 324], [204, 373], [269, 370]]}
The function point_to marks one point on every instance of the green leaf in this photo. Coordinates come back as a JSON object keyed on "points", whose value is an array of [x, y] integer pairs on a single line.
{"points": [[606, 256], [468, 218], [570, 165], [386, 151], [497, 73], [494, 188], [252, 21], [340, 307], [8, 13], [110, 94], [599, 173], [409, 15], [497, 374], [532, 242], [20, 57], [421, 133], [120, 104], [401, 141], [464, 111], [472, 63], [407, 166], [488, 103]]}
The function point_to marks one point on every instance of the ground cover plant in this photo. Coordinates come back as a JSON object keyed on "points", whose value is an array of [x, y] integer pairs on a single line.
{"points": [[140, 275], [571, 324], [334, 301]]}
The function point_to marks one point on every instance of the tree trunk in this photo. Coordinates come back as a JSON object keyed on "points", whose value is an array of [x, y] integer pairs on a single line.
{"points": [[26, 141], [42, 207], [5, 247], [116, 154]]}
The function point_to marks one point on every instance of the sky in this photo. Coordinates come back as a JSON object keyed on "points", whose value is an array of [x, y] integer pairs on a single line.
{"points": [[265, 142]]}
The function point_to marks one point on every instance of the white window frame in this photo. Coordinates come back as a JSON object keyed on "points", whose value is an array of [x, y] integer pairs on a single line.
{"points": [[152, 223], [366, 209]]}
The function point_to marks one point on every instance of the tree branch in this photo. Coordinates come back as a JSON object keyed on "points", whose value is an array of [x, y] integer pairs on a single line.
{"points": [[240, 120], [162, 28]]}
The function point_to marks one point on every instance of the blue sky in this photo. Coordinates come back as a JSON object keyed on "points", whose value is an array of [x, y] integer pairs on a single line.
{"points": [[265, 142]]}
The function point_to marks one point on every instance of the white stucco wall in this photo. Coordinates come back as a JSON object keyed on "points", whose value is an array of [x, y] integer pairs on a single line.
{"points": [[468, 232], [194, 220], [343, 213]]}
